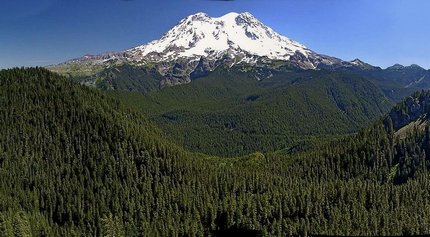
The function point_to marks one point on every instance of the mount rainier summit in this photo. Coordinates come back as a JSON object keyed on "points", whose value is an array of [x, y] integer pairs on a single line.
{"points": [[199, 44]]}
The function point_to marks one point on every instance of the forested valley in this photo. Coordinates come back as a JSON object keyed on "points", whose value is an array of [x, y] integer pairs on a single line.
{"points": [[75, 161]]}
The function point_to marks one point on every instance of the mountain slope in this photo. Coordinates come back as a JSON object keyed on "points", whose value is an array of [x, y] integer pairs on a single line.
{"points": [[67, 155], [409, 76], [396, 81], [240, 110], [411, 109]]}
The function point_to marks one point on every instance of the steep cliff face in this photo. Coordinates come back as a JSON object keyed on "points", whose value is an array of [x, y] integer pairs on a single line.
{"points": [[413, 108]]}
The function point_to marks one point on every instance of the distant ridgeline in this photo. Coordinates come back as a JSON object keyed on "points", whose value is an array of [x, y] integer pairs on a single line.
{"points": [[75, 162]]}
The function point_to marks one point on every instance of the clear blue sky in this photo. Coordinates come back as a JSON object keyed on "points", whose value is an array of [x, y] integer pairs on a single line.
{"points": [[381, 32]]}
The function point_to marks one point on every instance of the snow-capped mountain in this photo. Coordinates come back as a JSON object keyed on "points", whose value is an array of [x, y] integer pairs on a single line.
{"points": [[200, 35], [200, 42]]}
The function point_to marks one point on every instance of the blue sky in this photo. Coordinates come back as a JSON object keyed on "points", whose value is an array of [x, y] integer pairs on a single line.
{"points": [[381, 32]]}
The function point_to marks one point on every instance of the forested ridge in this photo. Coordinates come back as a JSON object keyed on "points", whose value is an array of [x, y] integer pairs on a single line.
{"points": [[75, 162]]}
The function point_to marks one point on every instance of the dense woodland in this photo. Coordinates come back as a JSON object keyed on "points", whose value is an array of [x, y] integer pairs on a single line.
{"points": [[76, 162], [231, 112]]}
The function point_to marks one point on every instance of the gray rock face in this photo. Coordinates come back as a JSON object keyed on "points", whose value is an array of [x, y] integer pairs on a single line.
{"points": [[412, 109]]}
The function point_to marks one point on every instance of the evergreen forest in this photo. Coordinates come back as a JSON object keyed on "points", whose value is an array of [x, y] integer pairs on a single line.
{"points": [[76, 161]]}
